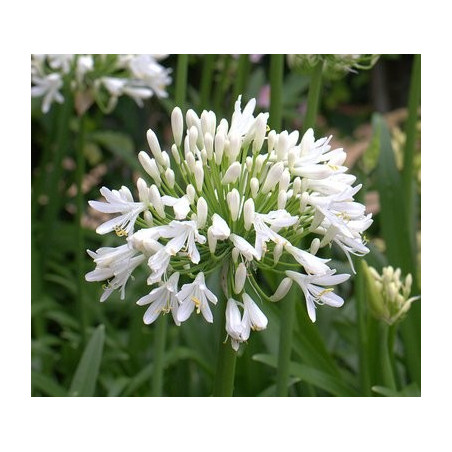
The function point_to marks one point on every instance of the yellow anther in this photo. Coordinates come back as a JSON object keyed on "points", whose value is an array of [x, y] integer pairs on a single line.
{"points": [[323, 292], [197, 304], [267, 128], [333, 167], [120, 232]]}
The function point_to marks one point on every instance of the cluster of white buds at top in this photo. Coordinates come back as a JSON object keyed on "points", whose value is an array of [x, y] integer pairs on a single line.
{"points": [[389, 296], [334, 65], [97, 78], [232, 196]]}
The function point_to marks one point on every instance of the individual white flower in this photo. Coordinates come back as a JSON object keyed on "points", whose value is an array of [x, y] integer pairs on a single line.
{"points": [[312, 264], [115, 265], [253, 318], [48, 87], [161, 299], [118, 201], [196, 294], [315, 292], [244, 247], [234, 325]]}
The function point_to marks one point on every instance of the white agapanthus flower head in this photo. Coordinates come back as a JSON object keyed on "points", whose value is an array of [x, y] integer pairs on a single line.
{"points": [[233, 199], [97, 78]]}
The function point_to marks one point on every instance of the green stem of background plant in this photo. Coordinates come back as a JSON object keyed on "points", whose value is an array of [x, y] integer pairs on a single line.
{"points": [[181, 81], [313, 97], [206, 81], [276, 90], [285, 344], [360, 297], [159, 352], [411, 135], [224, 376], [243, 70], [387, 372], [80, 244]]}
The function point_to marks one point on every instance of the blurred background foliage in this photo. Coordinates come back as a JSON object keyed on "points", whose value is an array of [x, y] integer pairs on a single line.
{"points": [[82, 347]]}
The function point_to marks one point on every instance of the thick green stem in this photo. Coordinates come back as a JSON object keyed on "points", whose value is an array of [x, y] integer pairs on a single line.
{"points": [[313, 97], [159, 352], [242, 75], [285, 344], [387, 372], [224, 377], [363, 340], [80, 243], [206, 81], [181, 81], [276, 90], [54, 177], [411, 134]]}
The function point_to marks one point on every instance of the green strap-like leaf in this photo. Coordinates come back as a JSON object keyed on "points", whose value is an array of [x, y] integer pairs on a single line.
{"points": [[85, 377]]}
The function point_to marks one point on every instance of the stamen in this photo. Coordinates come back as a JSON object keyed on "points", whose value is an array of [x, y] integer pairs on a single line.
{"points": [[120, 232], [197, 304]]}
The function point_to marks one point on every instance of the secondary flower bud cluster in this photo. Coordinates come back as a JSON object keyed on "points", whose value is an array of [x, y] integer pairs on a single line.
{"points": [[231, 198], [390, 294], [334, 65], [97, 78]]}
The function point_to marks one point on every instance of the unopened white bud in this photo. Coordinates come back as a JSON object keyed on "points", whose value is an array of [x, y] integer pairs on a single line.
{"points": [[219, 147], [307, 142], [304, 201], [201, 208], [315, 245], [212, 240], [233, 200], [235, 254], [249, 163], [170, 177], [277, 252], [259, 162], [204, 156], [208, 141], [143, 191], [166, 159], [175, 153], [232, 173], [234, 147], [194, 121], [296, 186], [282, 199], [248, 213], [271, 140], [177, 125], [156, 201], [148, 218], [192, 138], [282, 290], [254, 185], [223, 127], [191, 162], [291, 157], [199, 175], [283, 145], [273, 177], [150, 166], [239, 278], [154, 145], [191, 193], [285, 180], [259, 134]]}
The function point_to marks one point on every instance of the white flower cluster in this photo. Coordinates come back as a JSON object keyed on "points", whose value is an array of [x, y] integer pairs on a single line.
{"points": [[237, 198], [101, 78]]}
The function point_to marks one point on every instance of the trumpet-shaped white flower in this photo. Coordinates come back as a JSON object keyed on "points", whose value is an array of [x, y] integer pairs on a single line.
{"points": [[48, 87], [161, 299], [118, 201], [315, 292], [196, 294], [115, 265], [253, 318]]}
